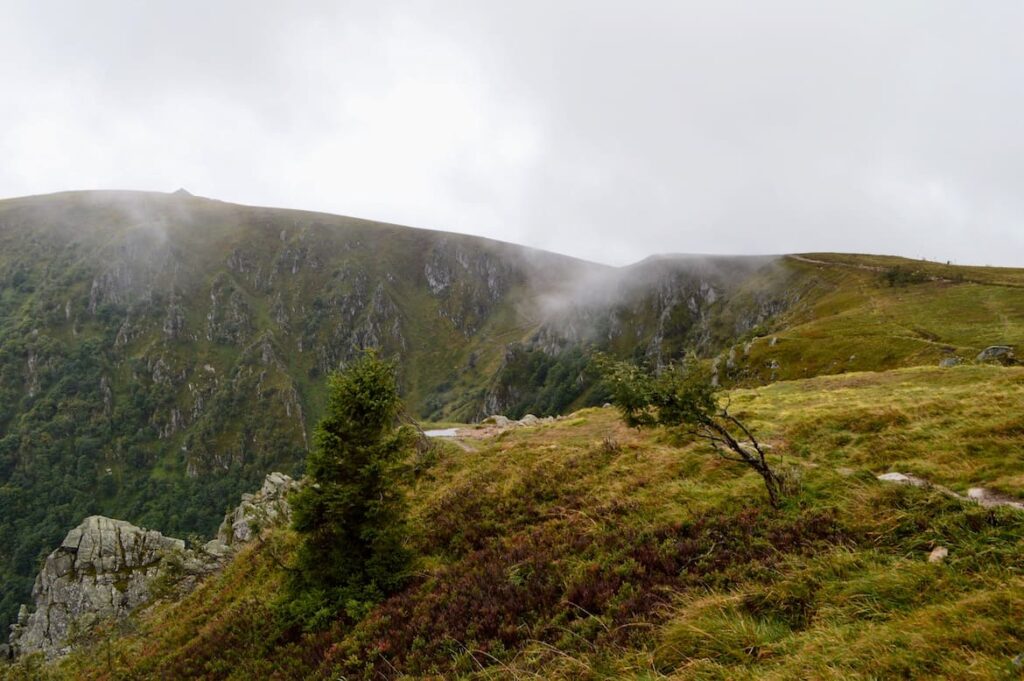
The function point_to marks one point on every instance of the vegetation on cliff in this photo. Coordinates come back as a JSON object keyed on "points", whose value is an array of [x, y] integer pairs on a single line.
{"points": [[160, 354], [586, 549]]}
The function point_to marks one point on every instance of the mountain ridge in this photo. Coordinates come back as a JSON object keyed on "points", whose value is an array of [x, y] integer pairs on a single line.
{"points": [[160, 354]]}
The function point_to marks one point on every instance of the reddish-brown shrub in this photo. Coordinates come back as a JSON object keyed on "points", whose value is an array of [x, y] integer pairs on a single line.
{"points": [[562, 572]]}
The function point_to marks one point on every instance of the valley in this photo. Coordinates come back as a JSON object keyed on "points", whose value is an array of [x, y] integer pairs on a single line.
{"points": [[160, 354]]}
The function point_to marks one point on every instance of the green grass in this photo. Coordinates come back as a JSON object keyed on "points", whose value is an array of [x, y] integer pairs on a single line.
{"points": [[601, 552], [851, 320], [137, 251], [1003, 276], [854, 391]]}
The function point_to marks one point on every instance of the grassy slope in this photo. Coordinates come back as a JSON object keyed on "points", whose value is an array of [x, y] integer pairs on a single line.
{"points": [[849, 319], [585, 550], [845, 319], [88, 281]]}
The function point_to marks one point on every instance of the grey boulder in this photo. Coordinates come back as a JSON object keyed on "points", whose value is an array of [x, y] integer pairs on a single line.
{"points": [[997, 353]]}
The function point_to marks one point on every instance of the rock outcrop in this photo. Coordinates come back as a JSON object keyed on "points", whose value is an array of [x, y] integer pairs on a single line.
{"points": [[105, 569], [497, 420], [102, 570], [979, 495], [528, 421], [997, 353], [265, 508]]}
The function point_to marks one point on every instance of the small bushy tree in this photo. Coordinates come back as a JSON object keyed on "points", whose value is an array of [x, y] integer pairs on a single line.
{"points": [[684, 396], [350, 513]]}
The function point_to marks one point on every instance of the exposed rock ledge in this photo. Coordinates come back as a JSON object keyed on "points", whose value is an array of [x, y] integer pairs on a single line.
{"points": [[527, 421], [266, 508], [105, 569], [102, 570]]}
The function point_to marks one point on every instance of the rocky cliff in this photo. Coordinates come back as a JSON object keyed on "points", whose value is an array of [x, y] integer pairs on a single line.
{"points": [[105, 569], [102, 571], [266, 508], [162, 353]]}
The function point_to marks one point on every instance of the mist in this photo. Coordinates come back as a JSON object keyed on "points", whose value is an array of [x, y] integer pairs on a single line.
{"points": [[601, 130]]}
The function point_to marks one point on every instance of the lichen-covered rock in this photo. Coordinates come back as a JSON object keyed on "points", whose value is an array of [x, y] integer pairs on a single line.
{"points": [[497, 420], [102, 570], [997, 353], [105, 568], [269, 506]]}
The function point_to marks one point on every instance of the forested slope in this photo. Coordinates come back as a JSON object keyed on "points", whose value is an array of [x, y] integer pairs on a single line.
{"points": [[160, 353]]}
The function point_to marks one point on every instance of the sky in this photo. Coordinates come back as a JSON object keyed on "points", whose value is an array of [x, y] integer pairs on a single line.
{"points": [[606, 130]]}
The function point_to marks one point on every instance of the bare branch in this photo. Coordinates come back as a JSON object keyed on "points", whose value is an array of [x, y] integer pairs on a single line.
{"points": [[746, 431]]}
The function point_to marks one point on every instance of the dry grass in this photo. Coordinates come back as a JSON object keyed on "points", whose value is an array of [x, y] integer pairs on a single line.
{"points": [[573, 514]]}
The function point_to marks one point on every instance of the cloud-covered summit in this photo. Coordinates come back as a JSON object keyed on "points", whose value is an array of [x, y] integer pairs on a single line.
{"points": [[609, 131]]}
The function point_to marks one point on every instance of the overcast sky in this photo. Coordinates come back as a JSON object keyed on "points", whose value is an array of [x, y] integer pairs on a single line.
{"points": [[606, 130]]}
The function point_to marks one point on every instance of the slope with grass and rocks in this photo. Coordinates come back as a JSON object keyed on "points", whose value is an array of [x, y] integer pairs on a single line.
{"points": [[160, 354], [582, 549]]}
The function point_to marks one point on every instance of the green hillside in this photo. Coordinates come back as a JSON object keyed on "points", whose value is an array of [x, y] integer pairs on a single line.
{"points": [[160, 353], [584, 550], [856, 318]]}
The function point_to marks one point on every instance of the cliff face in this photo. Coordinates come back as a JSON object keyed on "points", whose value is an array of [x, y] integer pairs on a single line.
{"points": [[654, 312], [160, 353], [102, 571], [265, 508], [105, 569]]}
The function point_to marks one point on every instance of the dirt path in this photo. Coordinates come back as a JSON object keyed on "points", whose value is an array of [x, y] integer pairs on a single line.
{"points": [[879, 268], [812, 261], [463, 445]]}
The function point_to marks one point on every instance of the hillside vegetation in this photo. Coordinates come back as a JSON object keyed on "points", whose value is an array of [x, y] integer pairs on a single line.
{"points": [[159, 354], [856, 319], [583, 549]]}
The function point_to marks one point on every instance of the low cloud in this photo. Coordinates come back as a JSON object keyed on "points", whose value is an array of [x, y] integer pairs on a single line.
{"points": [[603, 130]]}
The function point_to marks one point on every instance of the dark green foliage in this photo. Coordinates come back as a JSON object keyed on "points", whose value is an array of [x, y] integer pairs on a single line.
{"points": [[160, 354], [76, 445], [351, 512], [531, 381], [685, 396], [902, 276]]}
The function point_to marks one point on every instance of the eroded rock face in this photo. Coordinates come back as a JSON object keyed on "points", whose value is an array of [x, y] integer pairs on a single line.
{"points": [[267, 507], [103, 569]]}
